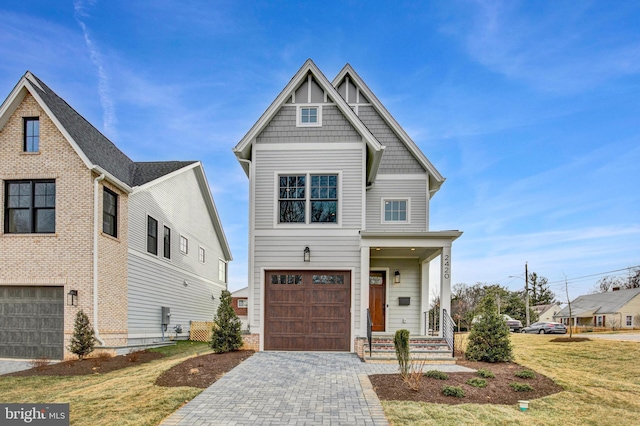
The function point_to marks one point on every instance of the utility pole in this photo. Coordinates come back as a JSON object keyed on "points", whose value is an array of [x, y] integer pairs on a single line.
{"points": [[526, 290]]}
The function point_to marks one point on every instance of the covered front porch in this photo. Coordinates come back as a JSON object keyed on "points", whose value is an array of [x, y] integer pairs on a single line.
{"points": [[397, 281]]}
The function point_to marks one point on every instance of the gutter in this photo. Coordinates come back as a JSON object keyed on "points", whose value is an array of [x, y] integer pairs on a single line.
{"points": [[96, 223], [250, 281]]}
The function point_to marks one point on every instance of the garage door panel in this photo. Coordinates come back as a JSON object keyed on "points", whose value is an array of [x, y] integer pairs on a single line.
{"points": [[31, 322], [307, 310]]}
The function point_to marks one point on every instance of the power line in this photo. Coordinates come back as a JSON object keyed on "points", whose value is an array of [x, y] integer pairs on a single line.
{"points": [[593, 275]]}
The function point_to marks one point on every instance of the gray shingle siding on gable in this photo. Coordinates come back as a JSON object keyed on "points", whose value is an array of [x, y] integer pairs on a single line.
{"points": [[396, 159], [282, 128]]}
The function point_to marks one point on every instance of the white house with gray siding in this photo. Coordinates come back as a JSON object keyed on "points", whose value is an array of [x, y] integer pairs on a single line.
{"points": [[187, 267], [338, 220]]}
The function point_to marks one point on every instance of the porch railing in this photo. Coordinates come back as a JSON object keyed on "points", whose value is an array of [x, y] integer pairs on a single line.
{"points": [[369, 326], [448, 328]]}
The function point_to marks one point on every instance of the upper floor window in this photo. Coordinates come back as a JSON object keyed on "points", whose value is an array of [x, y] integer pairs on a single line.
{"points": [[31, 134], [184, 244], [292, 198], [309, 116], [222, 271], [395, 211], [243, 303], [322, 199], [30, 207], [152, 235], [110, 213], [167, 243], [201, 254]]}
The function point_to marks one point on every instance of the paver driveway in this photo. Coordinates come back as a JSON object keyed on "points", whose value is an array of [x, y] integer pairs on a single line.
{"points": [[291, 388]]}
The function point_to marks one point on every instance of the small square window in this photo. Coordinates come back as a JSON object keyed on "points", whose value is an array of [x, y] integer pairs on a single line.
{"points": [[201, 254], [243, 303], [395, 211], [184, 245], [309, 116]]}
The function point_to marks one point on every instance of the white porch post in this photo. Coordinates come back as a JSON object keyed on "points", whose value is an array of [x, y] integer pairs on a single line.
{"points": [[424, 295], [364, 289], [445, 284]]}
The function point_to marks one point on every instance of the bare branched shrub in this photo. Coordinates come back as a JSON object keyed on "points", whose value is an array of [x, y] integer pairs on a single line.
{"points": [[460, 343], [100, 357], [40, 363], [414, 376]]}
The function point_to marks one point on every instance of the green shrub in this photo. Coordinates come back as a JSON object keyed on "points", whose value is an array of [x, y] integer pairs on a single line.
{"points": [[227, 335], [477, 382], [487, 374], [521, 387], [453, 391], [489, 338], [401, 343], [435, 374], [83, 340], [525, 374]]}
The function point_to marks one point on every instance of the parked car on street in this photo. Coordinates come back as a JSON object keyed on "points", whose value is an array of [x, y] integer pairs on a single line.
{"points": [[514, 325], [545, 327]]}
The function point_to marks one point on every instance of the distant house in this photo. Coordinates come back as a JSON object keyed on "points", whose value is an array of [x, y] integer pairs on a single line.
{"points": [[339, 240], [613, 309], [86, 228], [547, 313], [240, 303]]}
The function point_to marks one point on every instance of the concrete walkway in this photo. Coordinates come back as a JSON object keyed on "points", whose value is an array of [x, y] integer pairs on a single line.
{"points": [[12, 365], [292, 388]]}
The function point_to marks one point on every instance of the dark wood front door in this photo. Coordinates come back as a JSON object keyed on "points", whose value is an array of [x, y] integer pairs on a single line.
{"points": [[307, 310], [377, 300]]}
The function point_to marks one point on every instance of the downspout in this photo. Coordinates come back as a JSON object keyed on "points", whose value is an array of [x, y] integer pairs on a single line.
{"points": [[250, 272], [96, 223]]}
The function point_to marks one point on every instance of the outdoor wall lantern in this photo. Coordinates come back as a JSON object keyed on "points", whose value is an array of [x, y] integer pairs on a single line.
{"points": [[307, 254], [396, 277], [72, 298]]}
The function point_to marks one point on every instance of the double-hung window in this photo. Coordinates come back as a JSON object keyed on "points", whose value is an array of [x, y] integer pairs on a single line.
{"points": [[201, 254], [222, 271], [110, 213], [292, 198], [316, 204], [152, 235], [184, 244], [30, 207], [31, 134]]}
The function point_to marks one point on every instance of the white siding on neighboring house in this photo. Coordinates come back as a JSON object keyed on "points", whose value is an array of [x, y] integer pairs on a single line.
{"points": [[154, 281], [393, 187]]}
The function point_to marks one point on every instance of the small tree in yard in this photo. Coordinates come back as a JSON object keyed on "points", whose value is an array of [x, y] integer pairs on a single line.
{"points": [[401, 343], [83, 340], [227, 335], [489, 338]]}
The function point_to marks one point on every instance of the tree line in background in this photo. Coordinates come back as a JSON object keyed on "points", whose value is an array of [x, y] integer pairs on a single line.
{"points": [[466, 300], [608, 283]]}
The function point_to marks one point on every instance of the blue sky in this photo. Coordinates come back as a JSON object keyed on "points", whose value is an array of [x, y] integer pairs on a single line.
{"points": [[531, 110]]}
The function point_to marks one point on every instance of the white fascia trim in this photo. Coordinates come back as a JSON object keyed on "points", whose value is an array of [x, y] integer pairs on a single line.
{"points": [[323, 82], [412, 176], [110, 178], [307, 231], [152, 259], [380, 108], [12, 102], [320, 146]]}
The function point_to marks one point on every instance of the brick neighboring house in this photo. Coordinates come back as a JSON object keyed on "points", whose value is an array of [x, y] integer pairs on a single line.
{"points": [[85, 227], [240, 303]]}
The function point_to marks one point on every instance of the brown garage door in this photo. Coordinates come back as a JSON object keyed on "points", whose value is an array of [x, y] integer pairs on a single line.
{"points": [[307, 310], [31, 322]]}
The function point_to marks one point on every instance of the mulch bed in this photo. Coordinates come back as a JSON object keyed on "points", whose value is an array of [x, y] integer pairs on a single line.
{"points": [[390, 387], [570, 339], [202, 371], [98, 365]]}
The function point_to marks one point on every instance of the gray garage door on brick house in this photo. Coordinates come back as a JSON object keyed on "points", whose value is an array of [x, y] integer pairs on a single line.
{"points": [[31, 322]]}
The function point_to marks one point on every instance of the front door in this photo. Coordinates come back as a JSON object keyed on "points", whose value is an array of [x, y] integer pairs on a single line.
{"points": [[377, 300]]}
